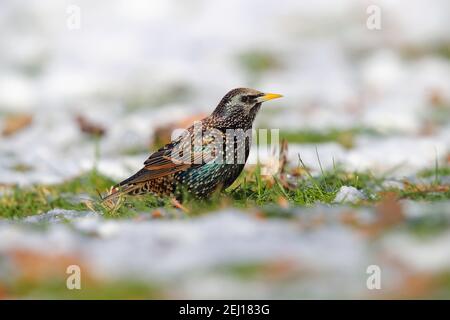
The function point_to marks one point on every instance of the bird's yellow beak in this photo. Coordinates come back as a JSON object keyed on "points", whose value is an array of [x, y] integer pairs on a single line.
{"points": [[268, 96]]}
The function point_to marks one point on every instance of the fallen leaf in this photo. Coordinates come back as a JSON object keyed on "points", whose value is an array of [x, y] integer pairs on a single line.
{"points": [[89, 127], [163, 133], [260, 215], [16, 123], [35, 266], [350, 218], [436, 98], [279, 270], [283, 202], [3, 293], [298, 172], [157, 213], [389, 210], [424, 188], [428, 128], [389, 213]]}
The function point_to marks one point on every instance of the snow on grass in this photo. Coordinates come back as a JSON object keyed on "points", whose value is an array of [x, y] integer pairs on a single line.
{"points": [[58, 215], [321, 259], [168, 250], [349, 194], [429, 256]]}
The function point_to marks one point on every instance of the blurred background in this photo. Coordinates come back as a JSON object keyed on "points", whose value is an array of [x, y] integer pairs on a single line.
{"points": [[128, 72], [132, 68]]}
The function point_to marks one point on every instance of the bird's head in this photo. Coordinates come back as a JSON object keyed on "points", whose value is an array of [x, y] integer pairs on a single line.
{"points": [[242, 104]]}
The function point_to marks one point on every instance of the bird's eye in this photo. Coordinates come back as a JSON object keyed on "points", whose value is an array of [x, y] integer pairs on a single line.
{"points": [[245, 99]]}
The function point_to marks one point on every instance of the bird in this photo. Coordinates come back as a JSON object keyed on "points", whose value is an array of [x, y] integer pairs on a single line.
{"points": [[209, 155]]}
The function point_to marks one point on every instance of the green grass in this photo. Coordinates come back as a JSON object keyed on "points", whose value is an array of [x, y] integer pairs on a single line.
{"points": [[256, 62], [55, 288], [20, 167], [21, 202], [138, 99], [309, 190], [425, 195], [252, 190], [436, 172], [429, 225], [345, 137]]}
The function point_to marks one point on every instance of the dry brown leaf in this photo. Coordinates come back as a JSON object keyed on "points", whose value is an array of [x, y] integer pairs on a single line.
{"points": [[317, 221], [350, 218], [298, 172], [282, 171], [279, 270], [283, 202], [389, 210], [260, 215], [16, 123], [157, 213], [436, 98], [425, 187], [89, 127], [414, 286], [283, 156], [428, 128], [389, 213], [163, 133], [3, 292], [34, 266]]}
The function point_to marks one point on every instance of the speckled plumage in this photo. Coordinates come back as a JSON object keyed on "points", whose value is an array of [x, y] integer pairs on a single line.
{"points": [[201, 167]]}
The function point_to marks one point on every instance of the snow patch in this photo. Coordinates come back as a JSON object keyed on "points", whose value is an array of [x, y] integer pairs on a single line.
{"points": [[349, 194]]}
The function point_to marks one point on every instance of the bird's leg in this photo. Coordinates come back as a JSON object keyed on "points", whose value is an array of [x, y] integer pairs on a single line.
{"points": [[178, 205]]}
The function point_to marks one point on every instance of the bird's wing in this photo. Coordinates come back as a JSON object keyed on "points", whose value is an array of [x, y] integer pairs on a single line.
{"points": [[181, 154], [159, 164]]}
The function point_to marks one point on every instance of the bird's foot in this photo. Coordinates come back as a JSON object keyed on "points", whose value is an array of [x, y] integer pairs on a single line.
{"points": [[178, 205]]}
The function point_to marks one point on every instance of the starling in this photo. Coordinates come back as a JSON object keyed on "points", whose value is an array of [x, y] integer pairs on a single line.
{"points": [[208, 156]]}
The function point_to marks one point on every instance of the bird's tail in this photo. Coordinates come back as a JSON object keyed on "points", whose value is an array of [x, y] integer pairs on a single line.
{"points": [[127, 186], [118, 191]]}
